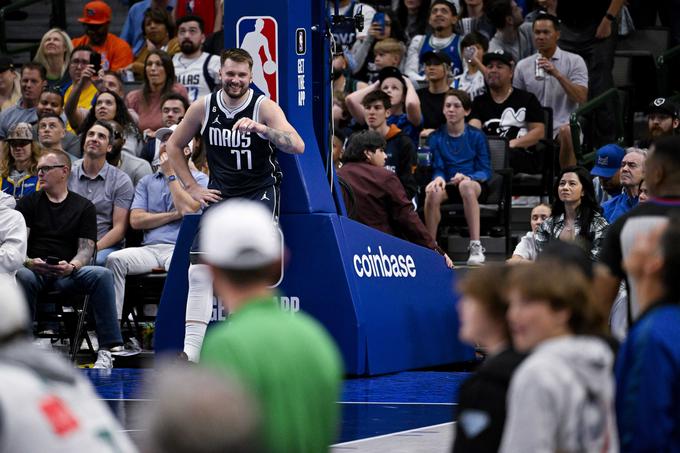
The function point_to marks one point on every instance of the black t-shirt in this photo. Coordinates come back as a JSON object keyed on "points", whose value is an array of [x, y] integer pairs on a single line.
{"points": [[432, 106], [582, 13], [402, 159], [56, 227], [509, 119]]}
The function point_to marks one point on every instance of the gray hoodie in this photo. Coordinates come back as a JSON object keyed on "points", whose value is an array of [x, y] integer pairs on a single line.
{"points": [[13, 236], [562, 399]]}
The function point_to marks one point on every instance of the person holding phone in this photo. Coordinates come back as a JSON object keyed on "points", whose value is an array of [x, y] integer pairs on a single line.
{"points": [[116, 54]]}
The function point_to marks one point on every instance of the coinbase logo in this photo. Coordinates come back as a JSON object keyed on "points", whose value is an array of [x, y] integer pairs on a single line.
{"points": [[383, 265]]}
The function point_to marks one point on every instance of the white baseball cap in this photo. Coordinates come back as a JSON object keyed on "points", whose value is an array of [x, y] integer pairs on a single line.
{"points": [[240, 234], [13, 309], [164, 133]]}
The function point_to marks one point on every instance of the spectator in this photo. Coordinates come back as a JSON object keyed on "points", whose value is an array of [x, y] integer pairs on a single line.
{"points": [[472, 18], [564, 390], [24, 111], [662, 176], [111, 81], [158, 207], [662, 120], [607, 172], [511, 113], [13, 237], [593, 37], [632, 173], [443, 18], [526, 249], [81, 92], [135, 167], [106, 186], [414, 16], [210, 12], [133, 28], [380, 199], [512, 36], [159, 80], [643, 192], [386, 48], [339, 139], [169, 430], [51, 103], [347, 39], [399, 149], [342, 77], [60, 411], [198, 71], [406, 113], [51, 133], [437, 72], [472, 78], [243, 250], [214, 42], [68, 233], [10, 88], [461, 170], [173, 108], [648, 364], [542, 7], [110, 107], [482, 312], [159, 34], [116, 53], [54, 54], [19, 161], [563, 85], [575, 213]]}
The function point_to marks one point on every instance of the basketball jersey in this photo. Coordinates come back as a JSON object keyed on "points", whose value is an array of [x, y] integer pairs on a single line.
{"points": [[451, 48], [199, 76], [240, 162]]}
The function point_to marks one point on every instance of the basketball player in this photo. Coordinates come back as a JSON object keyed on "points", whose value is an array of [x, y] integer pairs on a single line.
{"points": [[240, 130]]}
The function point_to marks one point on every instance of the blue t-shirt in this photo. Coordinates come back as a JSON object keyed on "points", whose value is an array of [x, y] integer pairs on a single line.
{"points": [[402, 122], [467, 154], [617, 206]]}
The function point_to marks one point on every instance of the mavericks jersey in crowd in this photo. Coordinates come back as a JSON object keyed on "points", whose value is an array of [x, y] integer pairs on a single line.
{"points": [[198, 75], [240, 162]]}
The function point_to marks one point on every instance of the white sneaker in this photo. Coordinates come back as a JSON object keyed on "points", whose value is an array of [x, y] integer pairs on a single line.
{"points": [[104, 360], [476, 254]]}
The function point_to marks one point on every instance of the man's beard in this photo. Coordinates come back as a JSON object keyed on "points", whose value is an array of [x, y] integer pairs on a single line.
{"points": [[188, 47], [244, 90]]}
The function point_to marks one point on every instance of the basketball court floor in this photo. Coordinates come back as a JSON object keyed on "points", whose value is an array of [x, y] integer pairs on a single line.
{"points": [[404, 412]]}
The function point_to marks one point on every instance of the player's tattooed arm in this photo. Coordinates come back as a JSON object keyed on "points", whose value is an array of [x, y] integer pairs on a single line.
{"points": [[85, 252], [282, 140]]}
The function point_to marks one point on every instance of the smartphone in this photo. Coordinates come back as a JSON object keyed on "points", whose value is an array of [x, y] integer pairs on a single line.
{"points": [[96, 61], [379, 18], [52, 260], [469, 53]]}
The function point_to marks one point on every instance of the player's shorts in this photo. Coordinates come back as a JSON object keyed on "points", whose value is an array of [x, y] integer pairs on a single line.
{"points": [[270, 197]]}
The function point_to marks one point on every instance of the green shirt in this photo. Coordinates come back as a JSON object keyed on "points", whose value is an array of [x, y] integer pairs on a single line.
{"points": [[292, 367]]}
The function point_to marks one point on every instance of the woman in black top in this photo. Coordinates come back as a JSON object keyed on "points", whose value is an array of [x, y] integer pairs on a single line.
{"points": [[481, 408]]}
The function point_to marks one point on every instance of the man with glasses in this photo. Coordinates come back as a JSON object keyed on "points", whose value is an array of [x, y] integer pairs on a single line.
{"points": [[33, 82], [106, 186], [81, 86], [116, 53], [63, 227]]}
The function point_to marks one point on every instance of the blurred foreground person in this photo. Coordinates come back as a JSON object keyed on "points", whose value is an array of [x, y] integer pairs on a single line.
{"points": [[561, 397], [45, 404], [481, 409]]}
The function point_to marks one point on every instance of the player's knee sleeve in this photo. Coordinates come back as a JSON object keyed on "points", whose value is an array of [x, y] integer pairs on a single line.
{"points": [[200, 297]]}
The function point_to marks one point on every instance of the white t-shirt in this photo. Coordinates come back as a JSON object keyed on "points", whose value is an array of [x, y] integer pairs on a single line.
{"points": [[527, 247], [191, 73]]}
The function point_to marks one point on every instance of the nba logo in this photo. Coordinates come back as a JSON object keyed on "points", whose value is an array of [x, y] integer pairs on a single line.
{"points": [[258, 36]]}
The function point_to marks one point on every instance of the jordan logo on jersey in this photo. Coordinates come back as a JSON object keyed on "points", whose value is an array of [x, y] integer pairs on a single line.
{"points": [[216, 121], [258, 36]]}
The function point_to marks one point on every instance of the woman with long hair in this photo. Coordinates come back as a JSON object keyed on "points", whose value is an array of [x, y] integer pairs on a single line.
{"points": [[19, 161], [159, 34], [561, 398], [413, 15], [110, 107], [159, 79], [575, 213], [54, 53]]}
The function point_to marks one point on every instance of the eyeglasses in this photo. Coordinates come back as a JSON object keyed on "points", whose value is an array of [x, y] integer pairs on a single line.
{"points": [[19, 143], [78, 62], [47, 168]]}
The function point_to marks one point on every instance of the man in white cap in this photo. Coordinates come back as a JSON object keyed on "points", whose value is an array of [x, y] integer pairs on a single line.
{"points": [[158, 207], [46, 404], [288, 361]]}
